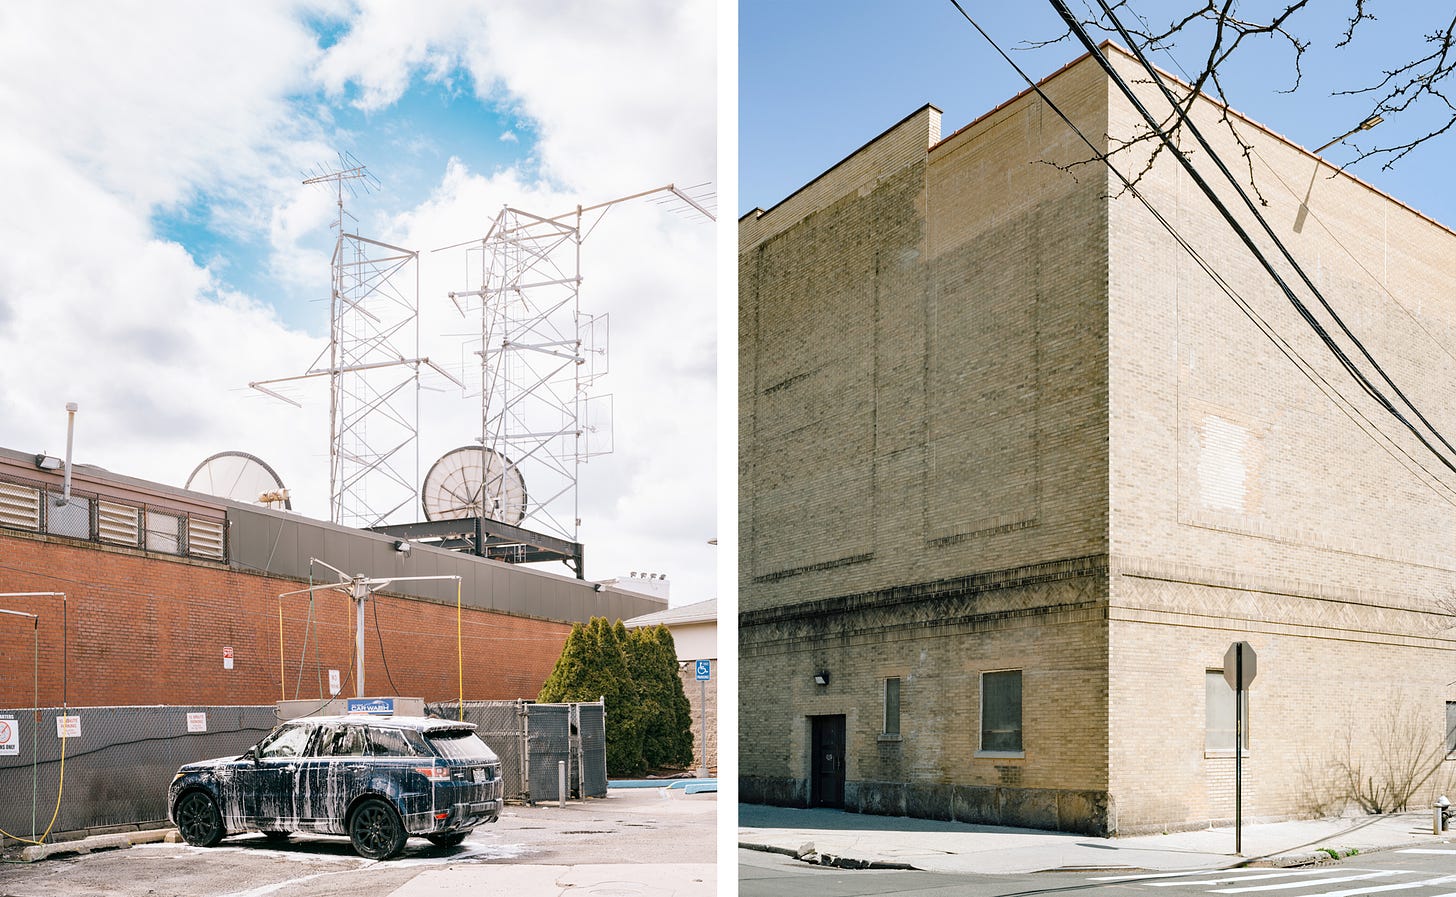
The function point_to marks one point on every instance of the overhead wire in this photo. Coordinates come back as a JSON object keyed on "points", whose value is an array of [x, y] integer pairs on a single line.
{"points": [[1304, 312], [1349, 409]]}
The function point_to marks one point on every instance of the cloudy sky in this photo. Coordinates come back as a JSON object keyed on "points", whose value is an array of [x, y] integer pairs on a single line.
{"points": [[161, 252]]}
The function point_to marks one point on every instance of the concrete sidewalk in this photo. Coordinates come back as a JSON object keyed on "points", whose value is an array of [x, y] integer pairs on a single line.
{"points": [[851, 839]]}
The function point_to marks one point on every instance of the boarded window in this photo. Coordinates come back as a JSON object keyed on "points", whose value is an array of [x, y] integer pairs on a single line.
{"points": [[1223, 465], [1450, 727], [1001, 711], [164, 532], [70, 519], [1219, 714]]}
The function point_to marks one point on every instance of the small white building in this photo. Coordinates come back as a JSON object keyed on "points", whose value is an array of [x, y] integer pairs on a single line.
{"points": [[694, 629]]}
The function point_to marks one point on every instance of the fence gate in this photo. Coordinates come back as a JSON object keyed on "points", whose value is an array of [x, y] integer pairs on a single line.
{"points": [[531, 739]]}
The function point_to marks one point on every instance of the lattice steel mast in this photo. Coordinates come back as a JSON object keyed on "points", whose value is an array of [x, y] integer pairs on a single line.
{"points": [[374, 464]]}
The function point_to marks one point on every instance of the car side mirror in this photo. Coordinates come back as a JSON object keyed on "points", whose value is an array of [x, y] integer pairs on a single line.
{"points": [[250, 754]]}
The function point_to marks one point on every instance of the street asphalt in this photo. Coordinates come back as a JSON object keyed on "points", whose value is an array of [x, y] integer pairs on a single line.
{"points": [[852, 840]]}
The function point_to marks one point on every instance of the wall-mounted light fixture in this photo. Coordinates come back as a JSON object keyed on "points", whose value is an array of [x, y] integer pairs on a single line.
{"points": [[48, 462], [597, 587], [821, 678], [403, 547]]}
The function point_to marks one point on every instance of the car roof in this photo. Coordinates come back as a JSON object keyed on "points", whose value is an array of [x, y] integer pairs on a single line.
{"points": [[420, 723]]}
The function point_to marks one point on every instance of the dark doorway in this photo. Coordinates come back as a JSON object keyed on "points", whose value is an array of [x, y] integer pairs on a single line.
{"points": [[826, 787]]}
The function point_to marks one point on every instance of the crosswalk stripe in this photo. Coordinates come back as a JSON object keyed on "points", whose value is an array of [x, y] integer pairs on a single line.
{"points": [[1151, 875], [1304, 884], [1350, 892], [1233, 875]]}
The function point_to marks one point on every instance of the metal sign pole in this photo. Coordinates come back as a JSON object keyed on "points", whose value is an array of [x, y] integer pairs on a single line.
{"points": [[1239, 751], [703, 720]]}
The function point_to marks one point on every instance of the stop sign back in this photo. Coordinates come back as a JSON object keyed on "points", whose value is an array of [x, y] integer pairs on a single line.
{"points": [[1233, 669]]}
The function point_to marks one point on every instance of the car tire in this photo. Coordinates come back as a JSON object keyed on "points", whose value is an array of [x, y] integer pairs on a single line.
{"points": [[198, 819], [447, 839], [376, 830]]}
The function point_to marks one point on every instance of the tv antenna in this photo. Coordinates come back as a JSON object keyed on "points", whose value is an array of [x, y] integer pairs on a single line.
{"points": [[359, 588], [372, 361], [540, 355]]}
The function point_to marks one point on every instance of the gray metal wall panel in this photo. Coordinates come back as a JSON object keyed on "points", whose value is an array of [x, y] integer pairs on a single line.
{"points": [[281, 544]]}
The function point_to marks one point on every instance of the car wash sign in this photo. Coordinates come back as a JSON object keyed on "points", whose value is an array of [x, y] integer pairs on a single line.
{"points": [[371, 706]]}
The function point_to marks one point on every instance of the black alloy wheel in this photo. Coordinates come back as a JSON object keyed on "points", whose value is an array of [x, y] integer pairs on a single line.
{"points": [[376, 830], [198, 819], [447, 839]]}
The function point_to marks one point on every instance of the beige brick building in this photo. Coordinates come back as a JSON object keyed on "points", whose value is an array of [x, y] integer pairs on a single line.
{"points": [[1015, 473]]}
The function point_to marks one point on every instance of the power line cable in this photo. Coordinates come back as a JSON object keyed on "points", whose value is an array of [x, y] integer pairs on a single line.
{"points": [[1323, 385], [1360, 377]]}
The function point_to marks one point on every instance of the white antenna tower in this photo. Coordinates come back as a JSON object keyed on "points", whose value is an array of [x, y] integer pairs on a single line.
{"points": [[374, 310], [541, 355]]}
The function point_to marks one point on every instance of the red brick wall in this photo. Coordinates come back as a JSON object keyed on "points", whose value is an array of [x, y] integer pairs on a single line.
{"points": [[148, 630]]}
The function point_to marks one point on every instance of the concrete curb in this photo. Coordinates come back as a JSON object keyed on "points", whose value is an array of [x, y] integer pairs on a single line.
{"points": [[807, 854], [36, 852]]}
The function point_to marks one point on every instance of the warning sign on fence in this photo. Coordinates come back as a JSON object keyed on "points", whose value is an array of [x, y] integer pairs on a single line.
{"points": [[197, 722], [9, 736], [68, 727]]}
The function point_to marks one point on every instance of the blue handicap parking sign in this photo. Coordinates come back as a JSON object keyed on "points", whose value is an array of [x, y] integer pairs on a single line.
{"points": [[705, 669]]}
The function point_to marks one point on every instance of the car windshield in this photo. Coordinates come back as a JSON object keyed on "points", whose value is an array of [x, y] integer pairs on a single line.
{"points": [[458, 744], [288, 741]]}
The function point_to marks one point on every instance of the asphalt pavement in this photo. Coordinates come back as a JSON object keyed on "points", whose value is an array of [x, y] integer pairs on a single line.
{"points": [[644, 842], [853, 840]]}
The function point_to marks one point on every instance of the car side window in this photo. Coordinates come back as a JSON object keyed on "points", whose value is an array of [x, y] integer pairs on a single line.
{"points": [[388, 743], [343, 741], [290, 741]]}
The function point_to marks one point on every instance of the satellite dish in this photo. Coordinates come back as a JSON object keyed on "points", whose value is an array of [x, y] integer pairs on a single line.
{"points": [[474, 481], [240, 477]]}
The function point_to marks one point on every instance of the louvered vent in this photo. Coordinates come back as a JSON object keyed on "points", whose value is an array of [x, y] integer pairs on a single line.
{"points": [[205, 538], [118, 523], [19, 507]]}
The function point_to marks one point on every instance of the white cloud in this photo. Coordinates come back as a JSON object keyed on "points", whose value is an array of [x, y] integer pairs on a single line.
{"points": [[115, 111]]}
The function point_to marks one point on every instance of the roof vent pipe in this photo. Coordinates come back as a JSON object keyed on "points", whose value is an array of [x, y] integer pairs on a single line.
{"points": [[65, 498]]}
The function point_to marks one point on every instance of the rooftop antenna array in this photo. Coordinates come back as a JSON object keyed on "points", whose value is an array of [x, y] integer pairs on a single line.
{"points": [[374, 383], [540, 355]]}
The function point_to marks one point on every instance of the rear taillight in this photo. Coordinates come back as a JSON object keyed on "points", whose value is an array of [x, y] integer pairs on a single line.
{"points": [[434, 773]]}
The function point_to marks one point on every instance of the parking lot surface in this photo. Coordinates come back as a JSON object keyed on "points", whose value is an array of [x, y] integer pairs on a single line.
{"points": [[633, 842]]}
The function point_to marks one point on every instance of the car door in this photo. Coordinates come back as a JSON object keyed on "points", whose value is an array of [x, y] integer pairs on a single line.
{"points": [[267, 786], [331, 778]]}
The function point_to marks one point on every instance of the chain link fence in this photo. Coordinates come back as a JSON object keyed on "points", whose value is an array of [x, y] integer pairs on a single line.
{"points": [[532, 738], [118, 761]]}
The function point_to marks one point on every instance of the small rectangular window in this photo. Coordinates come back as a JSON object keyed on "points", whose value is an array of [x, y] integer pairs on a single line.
{"points": [[1219, 714], [892, 706], [1451, 727], [1001, 712]]}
